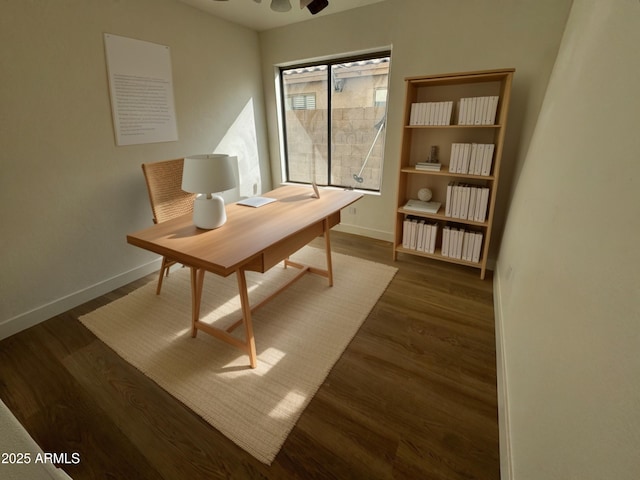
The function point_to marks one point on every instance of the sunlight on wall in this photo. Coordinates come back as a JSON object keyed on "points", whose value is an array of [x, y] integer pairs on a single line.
{"points": [[241, 141]]}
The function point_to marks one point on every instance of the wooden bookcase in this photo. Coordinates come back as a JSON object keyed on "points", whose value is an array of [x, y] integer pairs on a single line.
{"points": [[417, 141]]}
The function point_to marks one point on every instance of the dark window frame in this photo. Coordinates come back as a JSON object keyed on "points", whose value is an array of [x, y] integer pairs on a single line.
{"points": [[283, 107]]}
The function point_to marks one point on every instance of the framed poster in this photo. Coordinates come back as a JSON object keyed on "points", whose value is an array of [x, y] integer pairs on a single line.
{"points": [[141, 91]]}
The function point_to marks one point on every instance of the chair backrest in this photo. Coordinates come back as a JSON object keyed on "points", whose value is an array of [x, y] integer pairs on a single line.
{"points": [[164, 184]]}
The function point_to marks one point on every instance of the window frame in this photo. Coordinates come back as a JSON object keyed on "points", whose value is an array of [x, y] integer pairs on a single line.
{"points": [[282, 107]]}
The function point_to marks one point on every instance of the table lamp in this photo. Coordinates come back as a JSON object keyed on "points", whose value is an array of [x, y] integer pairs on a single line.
{"points": [[207, 175]]}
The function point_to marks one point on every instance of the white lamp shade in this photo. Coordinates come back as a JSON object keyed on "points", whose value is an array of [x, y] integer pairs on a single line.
{"points": [[208, 173]]}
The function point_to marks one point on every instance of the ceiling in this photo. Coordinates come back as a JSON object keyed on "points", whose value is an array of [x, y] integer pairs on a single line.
{"points": [[259, 16]]}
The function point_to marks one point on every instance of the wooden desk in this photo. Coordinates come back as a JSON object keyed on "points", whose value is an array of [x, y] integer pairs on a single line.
{"points": [[253, 239]]}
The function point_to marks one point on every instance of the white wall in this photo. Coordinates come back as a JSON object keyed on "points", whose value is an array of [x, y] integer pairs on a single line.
{"points": [[69, 195], [429, 38], [568, 277]]}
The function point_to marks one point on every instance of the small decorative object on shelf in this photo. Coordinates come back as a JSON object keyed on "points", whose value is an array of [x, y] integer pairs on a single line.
{"points": [[458, 119], [424, 194], [433, 154]]}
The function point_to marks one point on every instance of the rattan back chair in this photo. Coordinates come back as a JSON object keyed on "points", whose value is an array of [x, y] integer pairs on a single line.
{"points": [[168, 200]]}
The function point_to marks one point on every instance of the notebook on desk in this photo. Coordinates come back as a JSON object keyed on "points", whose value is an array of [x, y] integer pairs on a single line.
{"points": [[256, 201]]}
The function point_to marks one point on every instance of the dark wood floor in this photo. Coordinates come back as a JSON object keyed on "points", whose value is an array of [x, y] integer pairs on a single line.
{"points": [[412, 397]]}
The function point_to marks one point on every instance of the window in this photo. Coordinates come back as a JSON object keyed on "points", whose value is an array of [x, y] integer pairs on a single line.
{"points": [[305, 101], [334, 121], [380, 96]]}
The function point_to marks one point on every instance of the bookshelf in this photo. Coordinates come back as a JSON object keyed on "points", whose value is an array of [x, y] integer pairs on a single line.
{"points": [[463, 115]]}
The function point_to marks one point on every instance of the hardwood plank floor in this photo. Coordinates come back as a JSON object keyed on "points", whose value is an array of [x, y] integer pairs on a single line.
{"points": [[412, 397]]}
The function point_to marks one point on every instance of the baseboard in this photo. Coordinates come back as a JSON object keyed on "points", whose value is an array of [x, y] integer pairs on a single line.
{"points": [[40, 314], [506, 472], [365, 232]]}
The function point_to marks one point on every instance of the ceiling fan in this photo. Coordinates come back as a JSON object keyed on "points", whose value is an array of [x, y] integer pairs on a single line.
{"points": [[314, 6]]}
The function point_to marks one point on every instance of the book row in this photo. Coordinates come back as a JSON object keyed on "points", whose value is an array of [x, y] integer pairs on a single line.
{"points": [[461, 244], [471, 158], [477, 110], [431, 113], [470, 111], [419, 235], [467, 202]]}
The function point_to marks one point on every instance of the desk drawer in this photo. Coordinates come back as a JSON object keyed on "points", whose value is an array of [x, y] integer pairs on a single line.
{"points": [[288, 246]]}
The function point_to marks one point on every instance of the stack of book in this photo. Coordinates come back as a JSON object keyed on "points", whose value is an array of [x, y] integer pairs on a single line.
{"points": [[477, 110], [461, 244], [431, 113], [429, 166], [467, 202], [423, 207], [419, 235], [471, 158]]}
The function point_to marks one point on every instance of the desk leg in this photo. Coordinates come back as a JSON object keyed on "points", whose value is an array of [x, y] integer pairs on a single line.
{"points": [[246, 318], [197, 280], [327, 244], [326, 229]]}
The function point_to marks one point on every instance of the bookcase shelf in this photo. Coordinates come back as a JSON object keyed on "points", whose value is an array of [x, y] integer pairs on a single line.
{"points": [[452, 127], [446, 101], [441, 217], [445, 173], [438, 256]]}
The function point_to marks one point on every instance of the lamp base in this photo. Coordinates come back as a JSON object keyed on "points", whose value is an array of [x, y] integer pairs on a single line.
{"points": [[209, 213]]}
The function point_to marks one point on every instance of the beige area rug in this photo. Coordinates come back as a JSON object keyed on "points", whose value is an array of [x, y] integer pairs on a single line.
{"points": [[299, 337]]}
